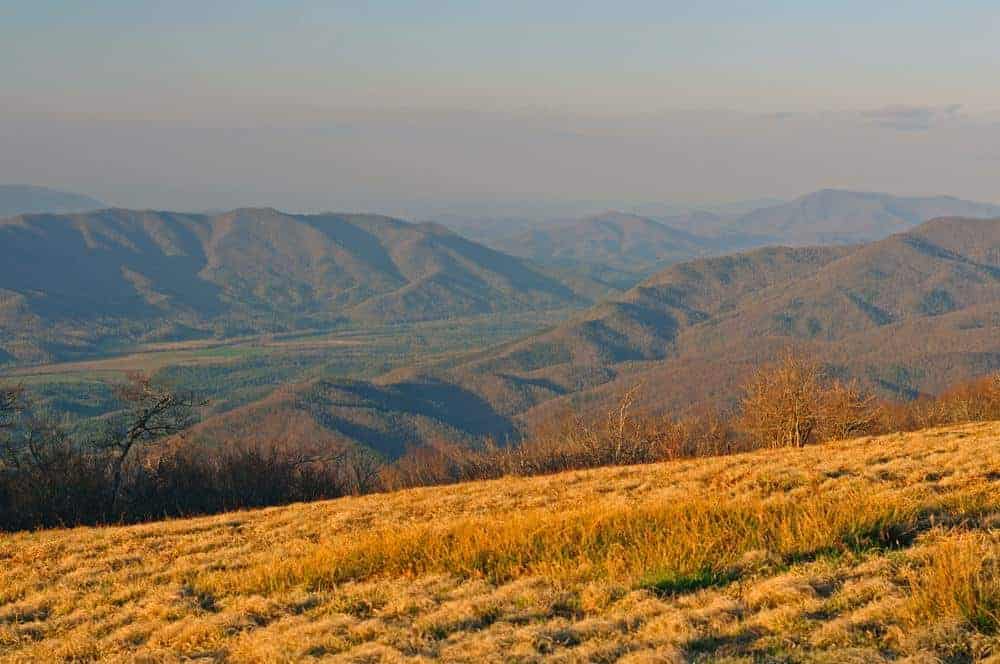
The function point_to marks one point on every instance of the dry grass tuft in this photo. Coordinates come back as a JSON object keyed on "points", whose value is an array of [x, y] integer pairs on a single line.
{"points": [[959, 579]]}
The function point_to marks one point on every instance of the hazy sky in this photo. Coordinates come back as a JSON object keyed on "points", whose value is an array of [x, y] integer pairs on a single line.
{"points": [[397, 105]]}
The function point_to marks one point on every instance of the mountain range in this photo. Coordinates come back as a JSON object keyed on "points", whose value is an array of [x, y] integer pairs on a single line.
{"points": [[908, 310], [616, 239], [641, 245], [906, 315], [79, 284], [834, 216]]}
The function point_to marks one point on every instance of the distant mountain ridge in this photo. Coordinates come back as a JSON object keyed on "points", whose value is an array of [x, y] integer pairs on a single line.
{"points": [[833, 216], [642, 245], [616, 239], [69, 283], [26, 199]]}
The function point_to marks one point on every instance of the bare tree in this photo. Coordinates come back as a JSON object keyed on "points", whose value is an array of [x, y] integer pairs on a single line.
{"points": [[795, 402], [361, 471], [623, 432], [780, 406], [848, 411], [152, 413], [11, 405], [39, 446]]}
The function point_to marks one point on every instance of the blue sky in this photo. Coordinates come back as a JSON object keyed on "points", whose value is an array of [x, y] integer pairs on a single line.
{"points": [[159, 73]]}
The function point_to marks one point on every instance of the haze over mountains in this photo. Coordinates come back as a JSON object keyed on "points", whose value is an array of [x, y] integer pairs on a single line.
{"points": [[640, 245], [908, 314], [494, 223], [71, 284], [25, 199], [619, 240], [833, 216]]}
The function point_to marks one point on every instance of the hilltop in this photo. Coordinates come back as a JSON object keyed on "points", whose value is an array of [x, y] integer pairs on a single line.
{"points": [[615, 239], [873, 549], [82, 284], [836, 216]]}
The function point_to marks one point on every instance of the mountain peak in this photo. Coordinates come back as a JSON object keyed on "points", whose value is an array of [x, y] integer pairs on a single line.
{"points": [[840, 216]]}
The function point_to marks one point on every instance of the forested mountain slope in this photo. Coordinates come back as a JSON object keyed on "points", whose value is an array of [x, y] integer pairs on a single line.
{"points": [[78, 284], [906, 315]]}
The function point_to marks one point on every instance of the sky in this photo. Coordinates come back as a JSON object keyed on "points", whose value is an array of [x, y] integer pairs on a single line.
{"points": [[415, 107]]}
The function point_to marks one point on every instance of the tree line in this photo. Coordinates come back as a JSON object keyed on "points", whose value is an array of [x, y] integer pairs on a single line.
{"points": [[138, 465]]}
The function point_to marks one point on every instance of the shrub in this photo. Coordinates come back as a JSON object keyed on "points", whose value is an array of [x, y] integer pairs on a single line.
{"points": [[441, 462], [570, 442], [974, 401], [48, 480], [189, 481]]}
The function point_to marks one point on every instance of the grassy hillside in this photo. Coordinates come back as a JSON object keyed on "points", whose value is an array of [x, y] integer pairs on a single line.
{"points": [[865, 550]]}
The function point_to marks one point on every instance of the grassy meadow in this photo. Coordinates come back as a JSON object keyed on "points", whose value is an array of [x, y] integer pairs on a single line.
{"points": [[874, 549]]}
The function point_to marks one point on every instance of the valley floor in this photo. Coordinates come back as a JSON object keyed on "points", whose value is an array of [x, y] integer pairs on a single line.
{"points": [[865, 550]]}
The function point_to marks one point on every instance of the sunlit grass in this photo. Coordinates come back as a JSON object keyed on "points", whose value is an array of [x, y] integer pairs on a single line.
{"points": [[877, 549], [680, 545], [960, 578]]}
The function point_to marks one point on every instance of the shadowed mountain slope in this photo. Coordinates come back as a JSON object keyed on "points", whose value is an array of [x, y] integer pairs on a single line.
{"points": [[909, 314]]}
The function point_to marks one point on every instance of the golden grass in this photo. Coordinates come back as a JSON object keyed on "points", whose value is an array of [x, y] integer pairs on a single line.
{"points": [[865, 550], [685, 544], [960, 579]]}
